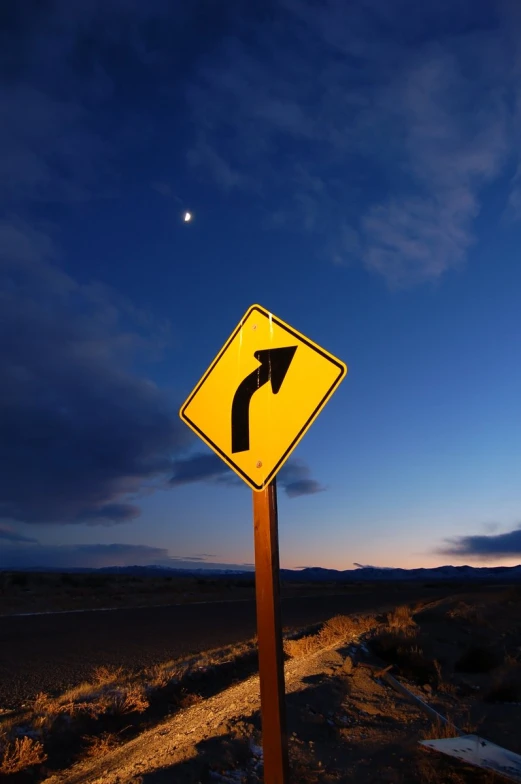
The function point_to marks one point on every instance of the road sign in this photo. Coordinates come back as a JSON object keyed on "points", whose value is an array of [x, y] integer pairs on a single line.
{"points": [[252, 406], [261, 394]]}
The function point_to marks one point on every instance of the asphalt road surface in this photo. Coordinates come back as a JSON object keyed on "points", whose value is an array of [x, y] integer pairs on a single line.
{"points": [[54, 652]]}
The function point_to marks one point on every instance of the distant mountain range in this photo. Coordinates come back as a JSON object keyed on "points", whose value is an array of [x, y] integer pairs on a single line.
{"points": [[373, 573], [318, 574]]}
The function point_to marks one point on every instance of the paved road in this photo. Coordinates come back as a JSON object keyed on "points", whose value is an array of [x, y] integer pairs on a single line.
{"points": [[54, 652]]}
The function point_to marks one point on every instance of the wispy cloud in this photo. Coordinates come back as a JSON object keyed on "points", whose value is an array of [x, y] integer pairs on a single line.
{"points": [[9, 534], [484, 546], [201, 467], [377, 127], [294, 477]]}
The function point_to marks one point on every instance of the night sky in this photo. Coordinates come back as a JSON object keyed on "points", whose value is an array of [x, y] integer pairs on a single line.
{"points": [[355, 168]]}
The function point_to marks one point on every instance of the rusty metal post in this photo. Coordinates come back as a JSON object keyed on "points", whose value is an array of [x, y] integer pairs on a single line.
{"points": [[269, 631]]}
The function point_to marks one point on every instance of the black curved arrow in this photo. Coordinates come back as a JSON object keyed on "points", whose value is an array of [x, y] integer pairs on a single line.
{"points": [[274, 364]]}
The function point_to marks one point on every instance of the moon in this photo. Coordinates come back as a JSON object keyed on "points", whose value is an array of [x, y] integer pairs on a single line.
{"points": [[187, 217]]}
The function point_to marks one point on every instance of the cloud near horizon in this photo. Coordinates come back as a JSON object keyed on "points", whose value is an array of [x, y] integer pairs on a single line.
{"points": [[96, 556], [484, 546], [294, 477]]}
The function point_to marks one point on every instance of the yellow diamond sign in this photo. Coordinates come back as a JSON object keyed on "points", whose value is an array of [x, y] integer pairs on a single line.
{"points": [[260, 395]]}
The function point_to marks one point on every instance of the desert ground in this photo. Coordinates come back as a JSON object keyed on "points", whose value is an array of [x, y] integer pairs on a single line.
{"points": [[39, 592], [196, 719], [52, 652]]}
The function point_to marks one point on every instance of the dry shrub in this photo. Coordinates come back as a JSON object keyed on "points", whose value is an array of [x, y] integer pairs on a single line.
{"points": [[92, 709], [100, 745], [84, 692], [303, 646], [129, 699], [400, 618], [336, 630], [159, 676], [20, 754], [388, 642], [44, 703], [466, 613], [45, 709], [443, 685], [401, 649], [106, 699], [187, 699], [94, 701], [440, 729], [344, 627], [103, 674]]}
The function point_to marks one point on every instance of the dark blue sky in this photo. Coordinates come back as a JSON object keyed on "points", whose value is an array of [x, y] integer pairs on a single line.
{"points": [[355, 169]]}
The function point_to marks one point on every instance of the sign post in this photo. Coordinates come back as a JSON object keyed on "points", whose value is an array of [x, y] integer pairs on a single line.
{"points": [[253, 405], [269, 633]]}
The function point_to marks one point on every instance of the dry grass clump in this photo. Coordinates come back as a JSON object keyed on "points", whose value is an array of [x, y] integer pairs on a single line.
{"points": [[440, 729], [188, 699], [341, 628], [19, 754], [90, 701], [443, 685], [345, 627], [302, 646], [103, 675], [466, 613], [400, 619], [128, 699], [160, 676], [401, 648], [398, 643], [387, 642], [100, 745]]}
